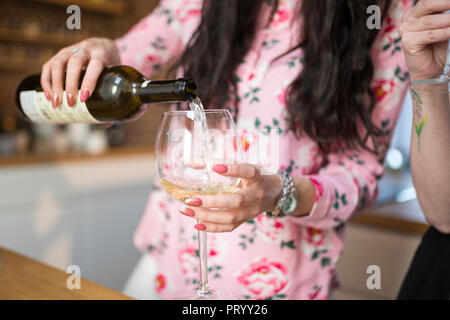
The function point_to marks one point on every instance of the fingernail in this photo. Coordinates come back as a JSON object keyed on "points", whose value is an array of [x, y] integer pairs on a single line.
{"points": [[187, 212], [200, 227], [84, 95], [194, 201], [219, 168], [47, 95], [70, 99], [55, 100]]}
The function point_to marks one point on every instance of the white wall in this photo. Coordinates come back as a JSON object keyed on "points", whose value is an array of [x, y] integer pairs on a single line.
{"points": [[81, 213]]}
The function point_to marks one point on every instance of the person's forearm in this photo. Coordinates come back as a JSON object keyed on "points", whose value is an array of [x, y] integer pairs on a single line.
{"points": [[430, 155]]}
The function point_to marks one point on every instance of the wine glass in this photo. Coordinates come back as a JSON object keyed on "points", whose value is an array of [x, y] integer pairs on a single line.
{"points": [[188, 144]]}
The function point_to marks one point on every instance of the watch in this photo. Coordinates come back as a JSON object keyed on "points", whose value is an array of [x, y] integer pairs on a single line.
{"points": [[288, 200]]}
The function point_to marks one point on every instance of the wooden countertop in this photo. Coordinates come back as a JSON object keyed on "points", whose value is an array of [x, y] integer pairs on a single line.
{"points": [[23, 278]]}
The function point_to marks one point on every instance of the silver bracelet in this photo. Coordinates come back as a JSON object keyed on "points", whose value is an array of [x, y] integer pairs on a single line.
{"points": [[288, 200]]}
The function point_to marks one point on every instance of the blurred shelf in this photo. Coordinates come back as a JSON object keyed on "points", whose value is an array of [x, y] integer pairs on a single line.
{"points": [[26, 160], [397, 216], [20, 65], [111, 7], [37, 38]]}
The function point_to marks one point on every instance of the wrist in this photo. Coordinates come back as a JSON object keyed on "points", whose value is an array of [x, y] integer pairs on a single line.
{"points": [[113, 54], [277, 186], [288, 199], [306, 192], [429, 89]]}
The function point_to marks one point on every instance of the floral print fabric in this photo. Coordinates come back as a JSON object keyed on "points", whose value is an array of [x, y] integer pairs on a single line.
{"points": [[267, 258]]}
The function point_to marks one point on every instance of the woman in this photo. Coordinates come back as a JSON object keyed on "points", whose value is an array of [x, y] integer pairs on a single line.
{"points": [[310, 70], [425, 31]]}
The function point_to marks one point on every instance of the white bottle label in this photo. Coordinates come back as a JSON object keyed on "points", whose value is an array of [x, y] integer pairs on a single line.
{"points": [[36, 106]]}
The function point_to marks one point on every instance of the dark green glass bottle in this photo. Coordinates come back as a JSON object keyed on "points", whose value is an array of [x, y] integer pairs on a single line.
{"points": [[121, 94]]}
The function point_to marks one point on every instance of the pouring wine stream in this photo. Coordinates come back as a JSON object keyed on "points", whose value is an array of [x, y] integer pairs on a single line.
{"points": [[200, 127]]}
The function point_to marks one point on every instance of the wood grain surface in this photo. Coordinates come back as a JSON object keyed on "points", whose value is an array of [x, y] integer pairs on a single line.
{"points": [[23, 278]]}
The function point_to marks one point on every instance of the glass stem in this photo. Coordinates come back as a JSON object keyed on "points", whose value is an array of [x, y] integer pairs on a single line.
{"points": [[204, 289]]}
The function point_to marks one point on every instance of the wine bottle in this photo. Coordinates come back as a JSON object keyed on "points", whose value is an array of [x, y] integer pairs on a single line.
{"points": [[121, 94]]}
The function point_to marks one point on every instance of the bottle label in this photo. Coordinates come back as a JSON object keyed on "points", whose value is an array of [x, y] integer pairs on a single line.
{"points": [[36, 107]]}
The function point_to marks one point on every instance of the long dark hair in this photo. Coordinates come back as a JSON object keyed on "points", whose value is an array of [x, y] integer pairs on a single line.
{"points": [[329, 97]]}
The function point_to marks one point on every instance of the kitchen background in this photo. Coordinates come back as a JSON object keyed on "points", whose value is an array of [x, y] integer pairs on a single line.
{"points": [[74, 194]]}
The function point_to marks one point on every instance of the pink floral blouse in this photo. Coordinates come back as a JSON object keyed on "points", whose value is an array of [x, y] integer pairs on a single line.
{"points": [[267, 258]]}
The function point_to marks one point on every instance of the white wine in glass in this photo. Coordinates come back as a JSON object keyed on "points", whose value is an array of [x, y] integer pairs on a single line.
{"points": [[182, 192], [188, 144]]}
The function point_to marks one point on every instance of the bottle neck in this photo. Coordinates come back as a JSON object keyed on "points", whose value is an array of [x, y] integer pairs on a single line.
{"points": [[167, 90]]}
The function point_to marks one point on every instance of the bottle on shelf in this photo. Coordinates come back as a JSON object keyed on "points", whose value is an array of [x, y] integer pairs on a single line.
{"points": [[121, 94]]}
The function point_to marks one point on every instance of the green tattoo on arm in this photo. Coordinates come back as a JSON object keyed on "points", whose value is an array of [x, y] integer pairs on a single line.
{"points": [[420, 118]]}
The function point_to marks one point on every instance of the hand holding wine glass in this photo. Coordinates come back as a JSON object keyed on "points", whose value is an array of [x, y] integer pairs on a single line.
{"points": [[257, 193], [425, 31], [188, 145]]}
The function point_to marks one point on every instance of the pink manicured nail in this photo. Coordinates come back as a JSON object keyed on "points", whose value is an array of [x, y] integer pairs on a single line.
{"points": [[200, 227], [70, 101], [55, 100], [194, 201], [219, 168], [47, 95], [84, 95], [187, 212]]}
